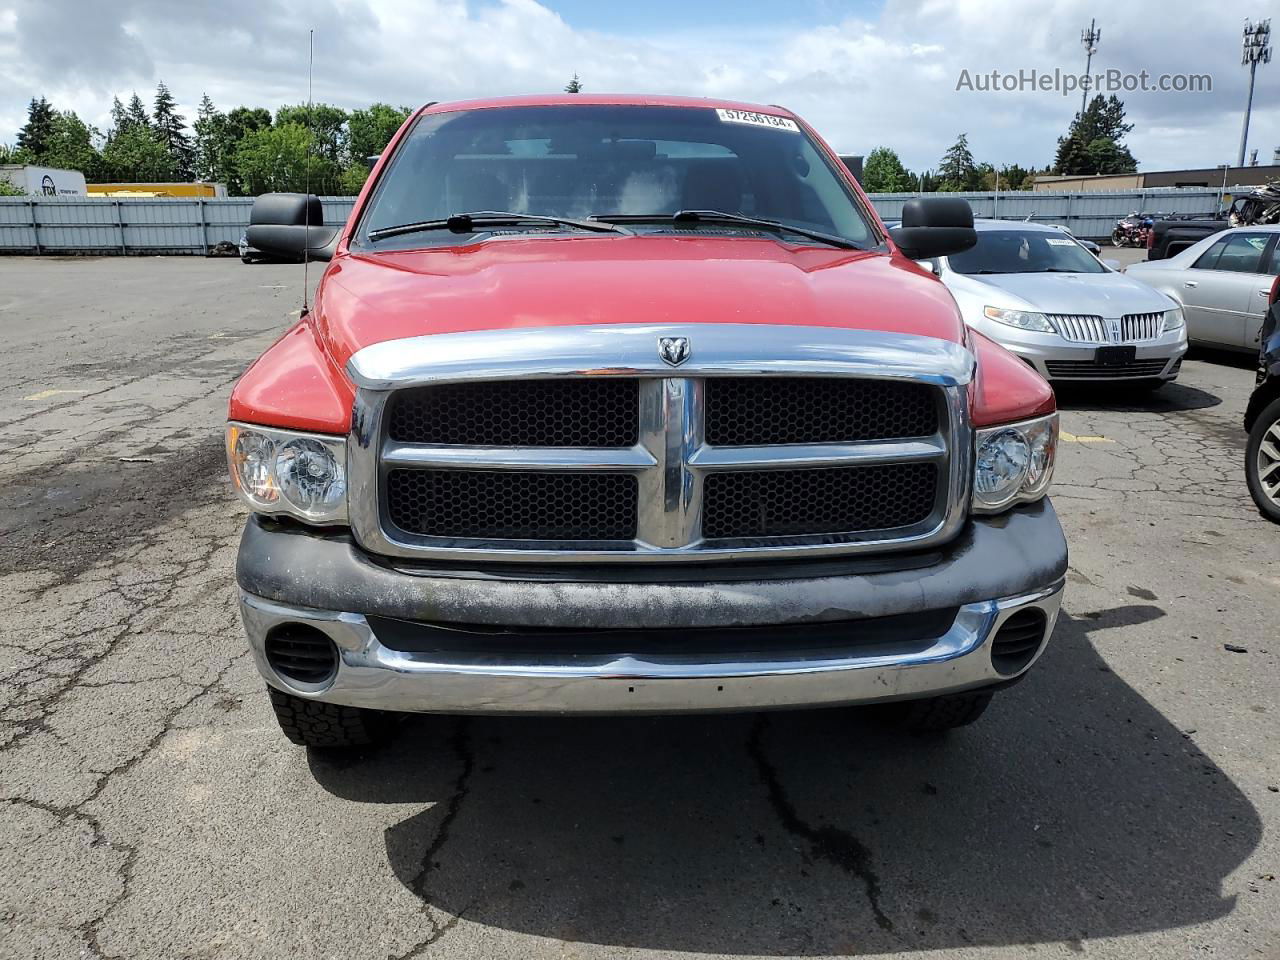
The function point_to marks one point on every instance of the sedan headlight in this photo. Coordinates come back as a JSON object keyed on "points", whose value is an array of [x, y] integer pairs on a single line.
{"points": [[1174, 320], [1013, 463], [1022, 319], [284, 472]]}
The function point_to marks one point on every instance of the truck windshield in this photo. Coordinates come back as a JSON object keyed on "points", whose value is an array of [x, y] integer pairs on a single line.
{"points": [[578, 162], [1025, 251]]}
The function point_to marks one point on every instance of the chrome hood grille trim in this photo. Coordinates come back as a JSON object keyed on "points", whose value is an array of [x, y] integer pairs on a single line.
{"points": [[671, 459], [718, 349]]}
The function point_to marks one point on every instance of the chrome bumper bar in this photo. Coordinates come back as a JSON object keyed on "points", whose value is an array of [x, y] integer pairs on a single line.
{"points": [[374, 676]]}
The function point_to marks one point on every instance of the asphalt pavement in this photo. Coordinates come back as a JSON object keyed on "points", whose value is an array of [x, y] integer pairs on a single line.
{"points": [[1121, 802]]}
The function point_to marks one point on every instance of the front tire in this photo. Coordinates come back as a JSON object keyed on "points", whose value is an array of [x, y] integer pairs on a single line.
{"points": [[312, 723], [937, 714], [1262, 461]]}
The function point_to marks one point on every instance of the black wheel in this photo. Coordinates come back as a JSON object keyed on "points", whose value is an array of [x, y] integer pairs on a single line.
{"points": [[944, 713], [246, 259], [1117, 238], [1262, 461], [310, 723]]}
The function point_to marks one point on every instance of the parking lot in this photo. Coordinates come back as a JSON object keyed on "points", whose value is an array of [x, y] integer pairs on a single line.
{"points": [[1121, 802]]}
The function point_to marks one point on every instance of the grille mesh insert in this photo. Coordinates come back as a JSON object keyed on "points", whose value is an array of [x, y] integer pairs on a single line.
{"points": [[772, 503], [758, 411], [586, 412], [510, 505]]}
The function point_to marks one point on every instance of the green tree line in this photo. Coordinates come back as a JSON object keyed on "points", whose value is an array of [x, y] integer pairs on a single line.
{"points": [[249, 149], [1093, 144]]}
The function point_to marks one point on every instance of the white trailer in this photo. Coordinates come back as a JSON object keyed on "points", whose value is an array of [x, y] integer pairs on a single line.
{"points": [[44, 181]]}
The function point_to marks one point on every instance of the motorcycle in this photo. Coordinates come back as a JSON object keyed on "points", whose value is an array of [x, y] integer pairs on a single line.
{"points": [[1128, 231]]}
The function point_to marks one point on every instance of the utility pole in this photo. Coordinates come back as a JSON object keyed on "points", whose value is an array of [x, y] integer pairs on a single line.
{"points": [[1089, 40], [1257, 49]]}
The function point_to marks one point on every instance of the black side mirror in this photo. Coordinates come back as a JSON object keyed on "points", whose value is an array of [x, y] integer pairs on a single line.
{"points": [[935, 227], [289, 225]]}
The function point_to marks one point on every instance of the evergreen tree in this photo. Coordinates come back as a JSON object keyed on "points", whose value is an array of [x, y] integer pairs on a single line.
{"points": [[33, 138], [210, 141], [1095, 141], [957, 170], [119, 119], [136, 113], [171, 130], [574, 85]]}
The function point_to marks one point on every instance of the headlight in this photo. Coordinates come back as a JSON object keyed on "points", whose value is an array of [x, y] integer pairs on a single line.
{"points": [[1021, 319], [284, 472], [1013, 463], [1173, 320]]}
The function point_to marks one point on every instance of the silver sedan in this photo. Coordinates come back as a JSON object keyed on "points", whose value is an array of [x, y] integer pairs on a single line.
{"points": [[1222, 283], [1038, 292]]}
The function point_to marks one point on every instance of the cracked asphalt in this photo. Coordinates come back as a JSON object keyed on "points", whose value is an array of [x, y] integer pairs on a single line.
{"points": [[1121, 802]]}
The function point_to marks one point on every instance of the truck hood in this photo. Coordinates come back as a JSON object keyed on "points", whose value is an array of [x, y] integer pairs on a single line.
{"points": [[516, 282], [1093, 294]]}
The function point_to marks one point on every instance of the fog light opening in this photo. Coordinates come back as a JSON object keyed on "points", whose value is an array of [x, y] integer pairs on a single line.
{"points": [[1018, 640], [301, 653]]}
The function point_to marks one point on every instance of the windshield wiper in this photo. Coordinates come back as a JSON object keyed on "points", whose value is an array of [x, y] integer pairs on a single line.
{"points": [[469, 222], [719, 216]]}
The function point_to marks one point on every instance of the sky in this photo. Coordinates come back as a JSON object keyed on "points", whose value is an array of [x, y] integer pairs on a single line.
{"points": [[865, 73]]}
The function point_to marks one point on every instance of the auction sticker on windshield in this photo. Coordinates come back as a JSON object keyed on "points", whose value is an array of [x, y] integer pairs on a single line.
{"points": [[1059, 242], [757, 119]]}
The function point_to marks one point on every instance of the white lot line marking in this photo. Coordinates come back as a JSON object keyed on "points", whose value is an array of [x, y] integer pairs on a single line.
{"points": [[46, 394], [273, 286], [1072, 438]]}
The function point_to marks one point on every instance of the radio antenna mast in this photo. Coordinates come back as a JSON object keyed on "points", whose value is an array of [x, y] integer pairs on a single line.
{"points": [[306, 165]]}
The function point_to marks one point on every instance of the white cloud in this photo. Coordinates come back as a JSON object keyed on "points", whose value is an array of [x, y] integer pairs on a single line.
{"points": [[863, 82]]}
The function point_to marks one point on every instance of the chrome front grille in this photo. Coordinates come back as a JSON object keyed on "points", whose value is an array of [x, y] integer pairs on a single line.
{"points": [[1141, 326], [1079, 328], [630, 461], [1131, 328]]}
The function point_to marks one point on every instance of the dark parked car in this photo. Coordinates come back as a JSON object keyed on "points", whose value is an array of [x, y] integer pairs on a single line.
{"points": [[1262, 418]]}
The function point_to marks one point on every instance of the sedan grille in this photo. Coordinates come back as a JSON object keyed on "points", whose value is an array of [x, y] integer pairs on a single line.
{"points": [[1079, 328], [1141, 326], [1083, 328], [1088, 370]]}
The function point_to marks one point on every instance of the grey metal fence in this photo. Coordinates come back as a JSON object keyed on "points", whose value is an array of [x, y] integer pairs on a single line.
{"points": [[131, 225], [145, 225]]}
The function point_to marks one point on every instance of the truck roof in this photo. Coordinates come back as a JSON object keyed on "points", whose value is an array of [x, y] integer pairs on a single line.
{"points": [[605, 99]]}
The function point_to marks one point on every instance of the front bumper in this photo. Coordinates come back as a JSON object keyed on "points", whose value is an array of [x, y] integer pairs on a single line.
{"points": [[1056, 358], [996, 568]]}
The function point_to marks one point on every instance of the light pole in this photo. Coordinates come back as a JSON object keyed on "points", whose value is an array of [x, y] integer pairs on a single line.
{"points": [[1257, 49], [1089, 40]]}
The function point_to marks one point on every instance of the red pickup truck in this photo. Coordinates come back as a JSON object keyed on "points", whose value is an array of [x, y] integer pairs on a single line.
{"points": [[632, 404]]}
